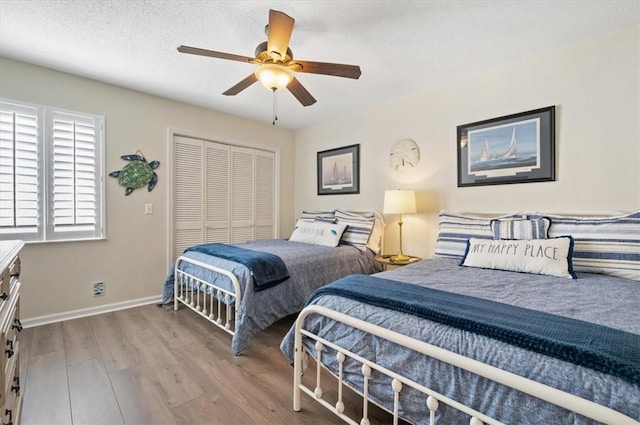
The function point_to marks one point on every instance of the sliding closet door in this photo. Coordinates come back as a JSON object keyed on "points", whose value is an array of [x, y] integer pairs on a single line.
{"points": [[265, 163], [242, 194], [217, 183], [188, 196], [221, 193]]}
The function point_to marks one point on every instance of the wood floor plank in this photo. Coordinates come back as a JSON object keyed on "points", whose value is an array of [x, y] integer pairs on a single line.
{"points": [[117, 353], [168, 328], [46, 395], [210, 408], [79, 341], [230, 379], [166, 370], [47, 338], [92, 399], [133, 321], [140, 400]]}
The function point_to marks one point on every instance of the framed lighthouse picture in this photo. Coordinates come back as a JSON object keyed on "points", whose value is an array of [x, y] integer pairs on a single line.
{"points": [[339, 171], [518, 148]]}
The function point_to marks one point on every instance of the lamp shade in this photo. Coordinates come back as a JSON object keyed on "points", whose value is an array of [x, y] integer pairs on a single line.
{"points": [[399, 202], [274, 77]]}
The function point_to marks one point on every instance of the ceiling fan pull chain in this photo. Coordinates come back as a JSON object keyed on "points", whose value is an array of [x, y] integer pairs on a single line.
{"points": [[275, 107]]}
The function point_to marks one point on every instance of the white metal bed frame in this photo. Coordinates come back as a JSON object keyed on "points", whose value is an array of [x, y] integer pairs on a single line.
{"points": [[207, 299], [544, 392]]}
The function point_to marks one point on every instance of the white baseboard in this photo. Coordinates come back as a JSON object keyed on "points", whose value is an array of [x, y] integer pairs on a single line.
{"points": [[85, 312]]}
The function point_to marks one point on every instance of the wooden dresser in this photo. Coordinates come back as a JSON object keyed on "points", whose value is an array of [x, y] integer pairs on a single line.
{"points": [[10, 327]]}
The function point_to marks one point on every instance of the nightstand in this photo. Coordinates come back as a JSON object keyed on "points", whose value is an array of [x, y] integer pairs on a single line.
{"points": [[388, 260]]}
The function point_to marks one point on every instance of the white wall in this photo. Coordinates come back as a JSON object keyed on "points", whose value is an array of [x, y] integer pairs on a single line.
{"points": [[133, 260], [596, 89]]}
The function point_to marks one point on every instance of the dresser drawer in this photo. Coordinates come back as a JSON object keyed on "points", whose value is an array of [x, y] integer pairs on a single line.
{"points": [[10, 277], [9, 330], [13, 401]]}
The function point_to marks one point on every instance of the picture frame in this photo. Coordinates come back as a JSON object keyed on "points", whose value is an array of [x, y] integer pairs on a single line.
{"points": [[518, 148], [339, 171]]}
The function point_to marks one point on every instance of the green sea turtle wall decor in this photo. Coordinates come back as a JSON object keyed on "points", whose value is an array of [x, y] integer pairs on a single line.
{"points": [[137, 173]]}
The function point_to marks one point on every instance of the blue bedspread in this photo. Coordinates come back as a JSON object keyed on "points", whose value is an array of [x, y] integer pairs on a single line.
{"points": [[595, 298], [598, 347], [266, 269], [309, 267]]}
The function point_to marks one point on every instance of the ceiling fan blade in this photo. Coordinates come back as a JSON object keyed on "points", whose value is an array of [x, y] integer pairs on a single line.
{"points": [[335, 69], [279, 34], [241, 85], [300, 92], [214, 54]]}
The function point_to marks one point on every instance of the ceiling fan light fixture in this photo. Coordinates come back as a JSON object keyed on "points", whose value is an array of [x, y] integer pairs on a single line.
{"points": [[274, 77]]}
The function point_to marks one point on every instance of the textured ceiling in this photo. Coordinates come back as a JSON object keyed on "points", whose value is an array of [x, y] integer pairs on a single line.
{"points": [[403, 47]]}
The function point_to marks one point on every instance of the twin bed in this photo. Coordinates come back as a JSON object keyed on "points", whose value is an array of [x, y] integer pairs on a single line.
{"points": [[325, 246], [550, 345]]}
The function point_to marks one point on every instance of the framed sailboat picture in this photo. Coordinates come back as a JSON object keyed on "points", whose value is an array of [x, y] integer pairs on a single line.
{"points": [[518, 148], [339, 171]]}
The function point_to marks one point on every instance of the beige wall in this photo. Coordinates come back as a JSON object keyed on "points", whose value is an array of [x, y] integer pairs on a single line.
{"points": [[595, 86], [133, 260], [596, 89]]}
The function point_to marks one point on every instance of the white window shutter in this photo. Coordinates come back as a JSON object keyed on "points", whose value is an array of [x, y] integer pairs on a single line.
{"points": [[74, 175], [51, 173], [264, 195], [20, 160], [188, 159]]}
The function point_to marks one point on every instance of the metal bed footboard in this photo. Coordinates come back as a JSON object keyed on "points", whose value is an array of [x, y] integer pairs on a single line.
{"points": [[432, 398], [210, 301]]}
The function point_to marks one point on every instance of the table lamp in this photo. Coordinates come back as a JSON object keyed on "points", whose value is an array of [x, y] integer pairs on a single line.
{"points": [[399, 202]]}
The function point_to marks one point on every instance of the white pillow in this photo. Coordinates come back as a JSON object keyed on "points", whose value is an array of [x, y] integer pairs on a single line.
{"points": [[317, 233], [539, 256]]}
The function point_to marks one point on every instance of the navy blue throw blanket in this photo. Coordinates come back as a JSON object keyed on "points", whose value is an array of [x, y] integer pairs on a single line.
{"points": [[597, 347], [267, 269]]}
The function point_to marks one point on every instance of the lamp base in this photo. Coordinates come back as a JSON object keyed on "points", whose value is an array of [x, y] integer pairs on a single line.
{"points": [[399, 257]]}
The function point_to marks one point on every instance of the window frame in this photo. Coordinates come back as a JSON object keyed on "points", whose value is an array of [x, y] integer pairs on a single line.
{"points": [[45, 228]]}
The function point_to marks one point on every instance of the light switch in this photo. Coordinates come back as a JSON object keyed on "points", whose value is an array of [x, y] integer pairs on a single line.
{"points": [[148, 209]]}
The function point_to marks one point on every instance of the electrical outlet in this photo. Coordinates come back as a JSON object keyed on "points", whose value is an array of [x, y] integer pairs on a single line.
{"points": [[98, 289]]}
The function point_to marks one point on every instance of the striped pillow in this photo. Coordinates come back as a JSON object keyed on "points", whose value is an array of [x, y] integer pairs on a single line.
{"points": [[326, 216], [537, 228], [606, 245], [359, 227], [456, 229]]}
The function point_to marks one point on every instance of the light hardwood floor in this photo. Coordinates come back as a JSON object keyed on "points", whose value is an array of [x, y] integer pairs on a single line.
{"points": [[150, 365]]}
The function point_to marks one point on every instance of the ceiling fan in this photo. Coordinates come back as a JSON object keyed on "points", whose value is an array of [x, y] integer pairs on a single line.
{"points": [[275, 62]]}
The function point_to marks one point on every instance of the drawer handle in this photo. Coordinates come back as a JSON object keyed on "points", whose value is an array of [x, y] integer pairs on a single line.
{"points": [[7, 412], [9, 349], [17, 325], [4, 296], [16, 274], [16, 387]]}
